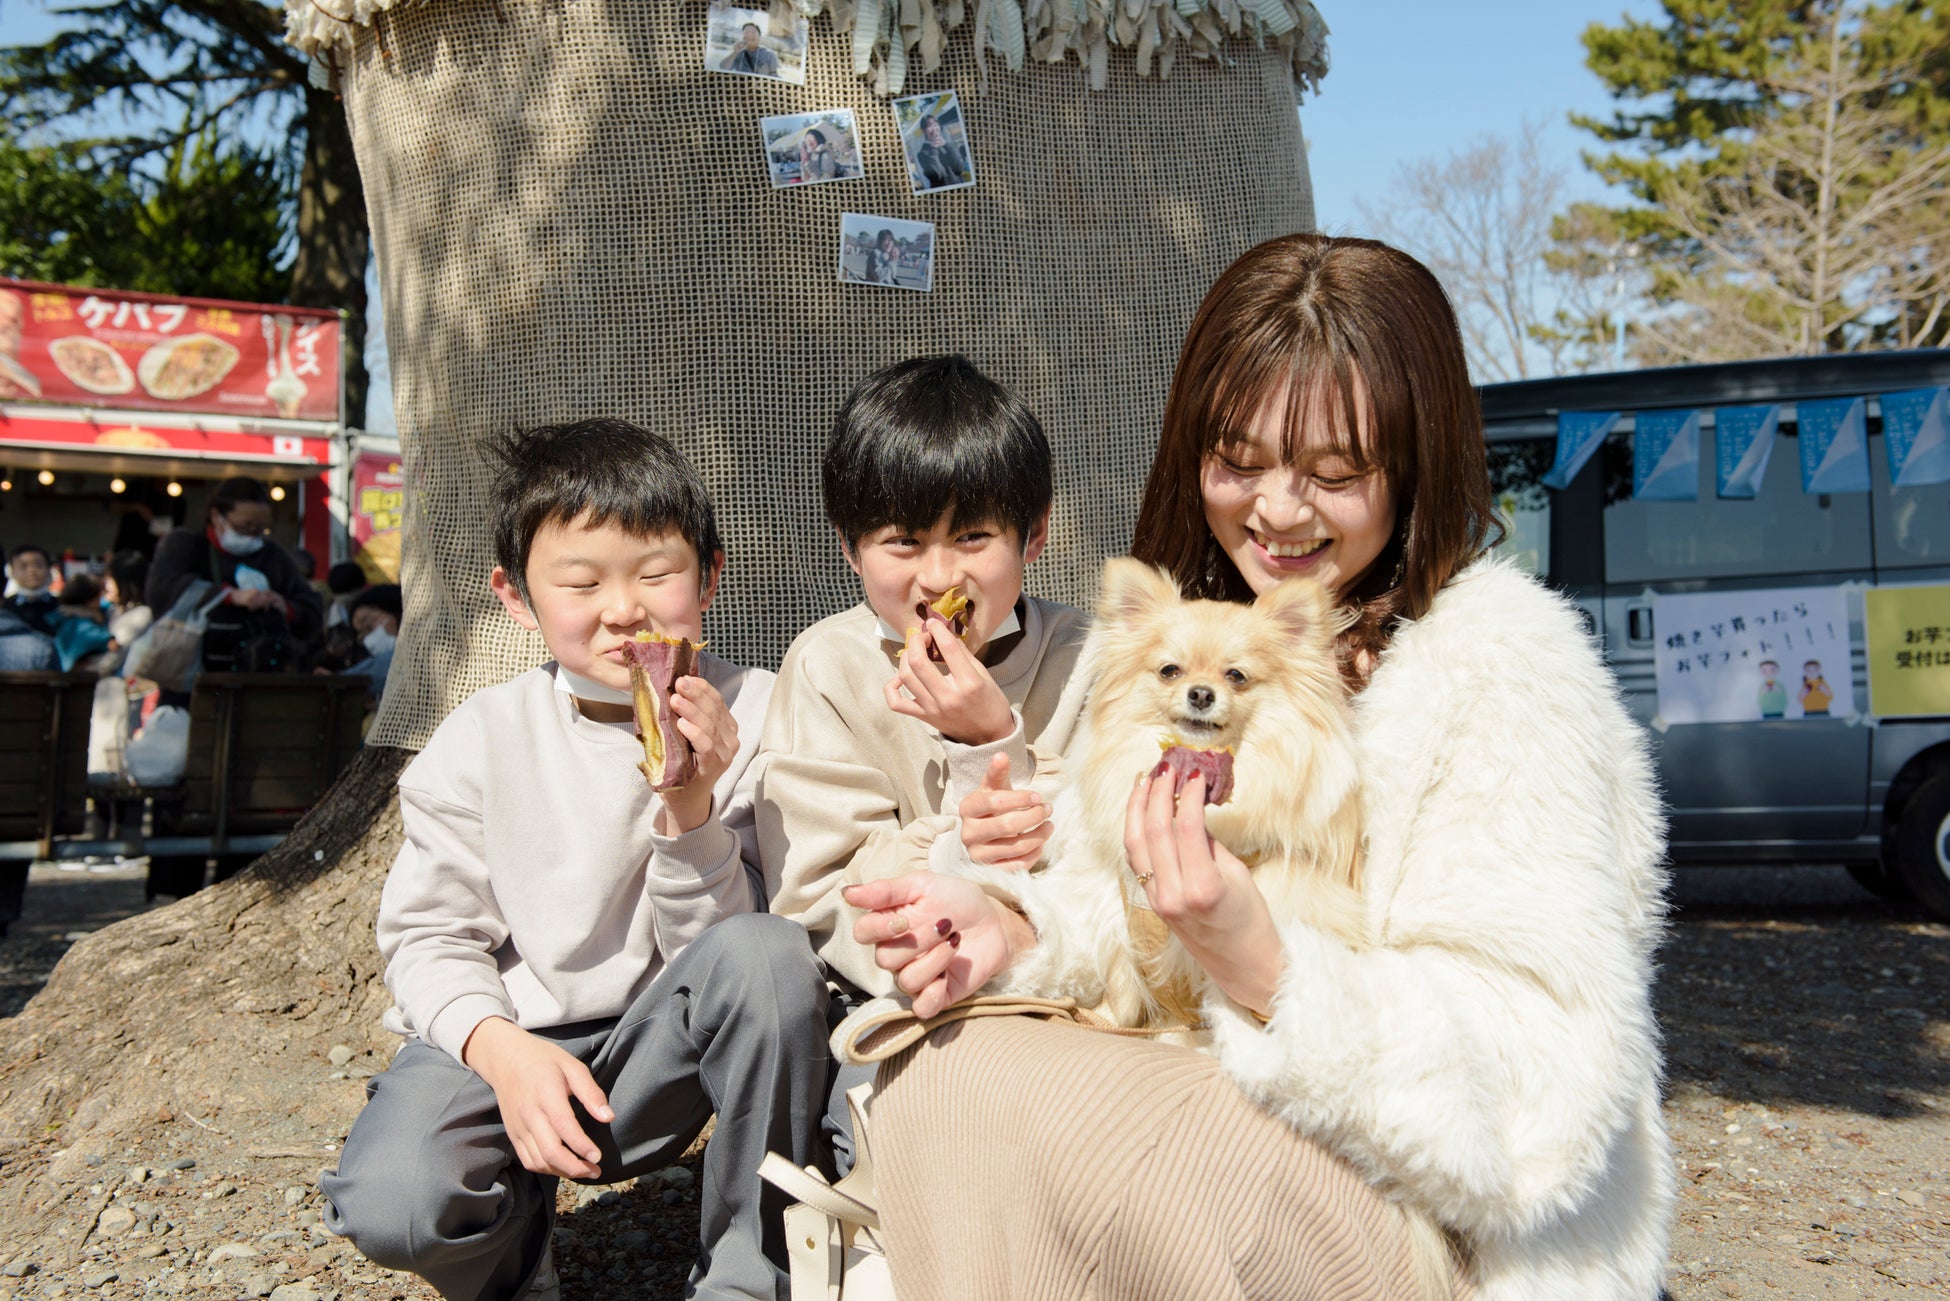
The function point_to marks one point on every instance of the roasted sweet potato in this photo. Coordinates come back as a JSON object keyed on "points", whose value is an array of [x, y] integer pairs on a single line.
{"points": [[656, 662], [951, 608], [1181, 761]]}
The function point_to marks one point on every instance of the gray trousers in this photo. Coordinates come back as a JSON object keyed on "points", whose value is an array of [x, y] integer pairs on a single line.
{"points": [[429, 1181]]}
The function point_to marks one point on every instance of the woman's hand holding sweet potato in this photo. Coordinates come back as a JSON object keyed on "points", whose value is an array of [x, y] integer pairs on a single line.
{"points": [[1203, 893]]}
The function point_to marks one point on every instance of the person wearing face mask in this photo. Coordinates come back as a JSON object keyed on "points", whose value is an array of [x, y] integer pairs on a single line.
{"points": [[375, 615], [269, 612]]}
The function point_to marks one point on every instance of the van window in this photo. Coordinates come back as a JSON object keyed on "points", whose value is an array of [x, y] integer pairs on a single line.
{"points": [[1522, 502], [1912, 524], [1782, 531]]}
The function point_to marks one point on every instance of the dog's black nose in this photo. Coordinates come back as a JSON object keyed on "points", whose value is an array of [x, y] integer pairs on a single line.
{"points": [[1199, 697]]}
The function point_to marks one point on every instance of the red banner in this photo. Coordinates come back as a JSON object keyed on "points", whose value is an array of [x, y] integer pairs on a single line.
{"points": [[61, 430], [130, 351], [376, 514]]}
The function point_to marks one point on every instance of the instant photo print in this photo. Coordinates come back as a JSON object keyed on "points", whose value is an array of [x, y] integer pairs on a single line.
{"points": [[934, 137], [742, 43], [808, 148], [887, 252]]}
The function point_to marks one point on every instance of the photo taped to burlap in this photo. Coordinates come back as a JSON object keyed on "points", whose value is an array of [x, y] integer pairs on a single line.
{"points": [[934, 137], [886, 251], [808, 148], [741, 41]]}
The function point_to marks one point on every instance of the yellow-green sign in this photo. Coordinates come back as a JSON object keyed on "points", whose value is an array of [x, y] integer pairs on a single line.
{"points": [[1909, 651]]}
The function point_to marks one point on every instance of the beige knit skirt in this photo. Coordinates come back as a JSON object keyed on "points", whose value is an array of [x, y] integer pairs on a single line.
{"points": [[1015, 1158]]}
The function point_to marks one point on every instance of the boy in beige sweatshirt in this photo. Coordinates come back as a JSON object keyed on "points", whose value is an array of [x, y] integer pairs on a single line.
{"points": [[891, 744]]}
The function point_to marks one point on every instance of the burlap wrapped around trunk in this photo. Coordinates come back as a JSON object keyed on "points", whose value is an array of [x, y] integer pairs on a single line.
{"points": [[571, 217]]}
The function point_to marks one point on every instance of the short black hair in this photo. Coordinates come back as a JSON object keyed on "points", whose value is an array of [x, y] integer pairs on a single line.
{"points": [[610, 470], [24, 548], [384, 597], [234, 492], [82, 589], [929, 436], [345, 576]]}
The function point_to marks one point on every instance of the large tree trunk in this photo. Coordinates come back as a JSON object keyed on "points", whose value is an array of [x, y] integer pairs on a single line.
{"points": [[333, 242], [214, 1012]]}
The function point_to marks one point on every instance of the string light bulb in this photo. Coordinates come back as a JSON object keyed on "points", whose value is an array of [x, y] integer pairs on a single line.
{"points": [[117, 485], [46, 477], [277, 492], [6, 485], [174, 489]]}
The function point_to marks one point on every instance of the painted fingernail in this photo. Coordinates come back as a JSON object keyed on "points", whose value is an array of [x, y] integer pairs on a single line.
{"points": [[943, 926], [899, 925], [954, 940]]}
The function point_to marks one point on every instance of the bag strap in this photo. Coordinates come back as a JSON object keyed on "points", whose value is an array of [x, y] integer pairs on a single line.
{"points": [[809, 1188], [882, 1027], [187, 601]]}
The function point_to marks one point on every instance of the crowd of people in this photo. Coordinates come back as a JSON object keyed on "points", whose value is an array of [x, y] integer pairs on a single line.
{"points": [[257, 605]]}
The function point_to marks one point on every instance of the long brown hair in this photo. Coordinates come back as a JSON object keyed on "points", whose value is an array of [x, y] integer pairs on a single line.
{"points": [[1325, 319]]}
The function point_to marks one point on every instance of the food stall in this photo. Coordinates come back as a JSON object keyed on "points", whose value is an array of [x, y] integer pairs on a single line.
{"points": [[120, 410]]}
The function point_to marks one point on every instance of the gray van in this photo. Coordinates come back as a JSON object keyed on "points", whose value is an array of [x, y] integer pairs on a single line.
{"points": [[1873, 794]]}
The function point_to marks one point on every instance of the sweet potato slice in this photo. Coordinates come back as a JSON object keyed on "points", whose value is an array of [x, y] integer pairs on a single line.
{"points": [[656, 662], [951, 608], [1181, 761]]}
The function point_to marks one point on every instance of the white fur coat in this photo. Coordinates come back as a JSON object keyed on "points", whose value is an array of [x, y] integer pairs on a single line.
{"points": [[1494, 1058]]}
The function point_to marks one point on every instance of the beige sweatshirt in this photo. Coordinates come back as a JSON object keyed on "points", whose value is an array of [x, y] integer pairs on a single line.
{"points": [[849, 791], [532, 884]]}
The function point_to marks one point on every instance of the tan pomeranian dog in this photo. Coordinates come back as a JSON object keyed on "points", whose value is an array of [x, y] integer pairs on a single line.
{"points": [[1249, 695]]}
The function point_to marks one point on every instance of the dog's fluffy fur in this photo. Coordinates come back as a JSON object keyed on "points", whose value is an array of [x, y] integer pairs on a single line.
{"points": [[1259, 680]]}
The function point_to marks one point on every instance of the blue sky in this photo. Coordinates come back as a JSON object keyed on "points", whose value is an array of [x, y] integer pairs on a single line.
{"points": [[1424, 78]]}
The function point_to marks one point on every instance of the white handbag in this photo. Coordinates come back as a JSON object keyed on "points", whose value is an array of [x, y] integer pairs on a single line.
{"points": [[832, 1231]]}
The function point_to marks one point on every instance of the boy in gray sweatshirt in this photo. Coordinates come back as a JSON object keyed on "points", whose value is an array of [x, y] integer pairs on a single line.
{"points": [[584, 970]]}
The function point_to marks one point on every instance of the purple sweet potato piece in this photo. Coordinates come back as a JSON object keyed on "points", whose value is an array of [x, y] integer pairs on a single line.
{"points": [[656, 662], [951, 608], [1181, 761]]}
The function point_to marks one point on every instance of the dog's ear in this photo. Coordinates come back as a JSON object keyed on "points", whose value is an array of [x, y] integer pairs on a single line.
{"points": [[1302, 607], [1132, 589]]}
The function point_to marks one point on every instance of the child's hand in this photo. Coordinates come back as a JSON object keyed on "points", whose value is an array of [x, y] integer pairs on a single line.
{"points": [[1003, 827], [707, 724], [533, 1081], [956, 697], [943, 937]]}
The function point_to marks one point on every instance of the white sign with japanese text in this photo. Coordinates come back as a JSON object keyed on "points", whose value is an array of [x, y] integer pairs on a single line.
{"points": [[1739, 657]]}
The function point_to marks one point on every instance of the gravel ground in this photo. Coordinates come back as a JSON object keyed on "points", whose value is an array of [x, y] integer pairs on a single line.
{"points": [[1808, 1044]]}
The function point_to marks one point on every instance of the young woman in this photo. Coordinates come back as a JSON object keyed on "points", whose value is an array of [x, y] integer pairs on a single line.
{"points": [[1489, 1059]]}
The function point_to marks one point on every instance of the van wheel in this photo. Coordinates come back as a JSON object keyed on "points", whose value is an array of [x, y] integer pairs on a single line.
{"points": [[1879, 880], [1922, 845]]}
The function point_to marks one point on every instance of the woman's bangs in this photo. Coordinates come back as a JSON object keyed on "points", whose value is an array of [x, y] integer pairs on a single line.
{"points": [[1242, 383]]}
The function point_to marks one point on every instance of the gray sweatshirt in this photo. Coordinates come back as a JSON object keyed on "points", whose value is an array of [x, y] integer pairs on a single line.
{"points": [[532, 884]]}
